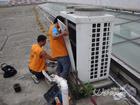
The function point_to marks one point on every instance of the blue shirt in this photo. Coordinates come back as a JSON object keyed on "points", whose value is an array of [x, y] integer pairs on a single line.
{"points": [[55, 32]]}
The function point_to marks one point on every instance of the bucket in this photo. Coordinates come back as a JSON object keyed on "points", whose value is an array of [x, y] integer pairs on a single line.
{"points": [[17, 87]]}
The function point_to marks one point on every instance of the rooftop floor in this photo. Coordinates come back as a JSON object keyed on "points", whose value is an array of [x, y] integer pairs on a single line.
{"points": [[18, 30]]}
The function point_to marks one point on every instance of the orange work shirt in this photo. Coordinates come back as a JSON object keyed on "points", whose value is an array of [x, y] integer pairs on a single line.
{"points": [[58, 47], [36, 63]]}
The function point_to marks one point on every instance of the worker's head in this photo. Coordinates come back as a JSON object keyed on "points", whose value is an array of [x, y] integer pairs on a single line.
{"points": [[56, 21], [41, 40]]}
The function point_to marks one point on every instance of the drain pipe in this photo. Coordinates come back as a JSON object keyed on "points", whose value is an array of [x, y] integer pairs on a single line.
{"points": [[63, 86], [133, 98]]}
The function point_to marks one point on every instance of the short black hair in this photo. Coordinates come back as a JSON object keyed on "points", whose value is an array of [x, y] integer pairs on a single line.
{"points": [[55, 20], [41, 38]]}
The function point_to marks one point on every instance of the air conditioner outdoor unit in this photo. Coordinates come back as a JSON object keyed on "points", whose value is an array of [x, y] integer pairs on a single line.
{"points": [[89, 43]]}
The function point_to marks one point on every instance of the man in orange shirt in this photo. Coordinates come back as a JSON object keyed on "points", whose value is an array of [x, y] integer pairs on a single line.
{"points": [[58, 49], [38, 57]]}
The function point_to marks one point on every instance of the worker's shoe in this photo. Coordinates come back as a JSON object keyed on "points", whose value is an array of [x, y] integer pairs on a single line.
{"points": [[35, 79]]}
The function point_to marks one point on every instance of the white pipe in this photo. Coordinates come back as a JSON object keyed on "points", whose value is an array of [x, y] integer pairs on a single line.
{"points": [[133, 98], [47, 76], [64, 88]]}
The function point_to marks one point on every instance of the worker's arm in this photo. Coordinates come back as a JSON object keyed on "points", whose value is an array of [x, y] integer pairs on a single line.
{"points": [[45, 56]]}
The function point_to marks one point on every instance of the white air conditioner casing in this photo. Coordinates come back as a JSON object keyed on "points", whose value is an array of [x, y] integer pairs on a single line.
{"points": [[93, 44]]}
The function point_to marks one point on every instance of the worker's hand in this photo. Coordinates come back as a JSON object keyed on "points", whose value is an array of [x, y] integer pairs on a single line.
{"points": [[64, 33], [67, 32], [50, 58], [52, 75]]}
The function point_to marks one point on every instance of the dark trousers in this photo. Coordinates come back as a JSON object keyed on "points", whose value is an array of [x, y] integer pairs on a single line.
{"points": [[63, 66]]}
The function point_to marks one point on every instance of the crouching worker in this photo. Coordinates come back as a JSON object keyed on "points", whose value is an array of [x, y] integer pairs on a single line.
{"points": [[38, 57]]}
